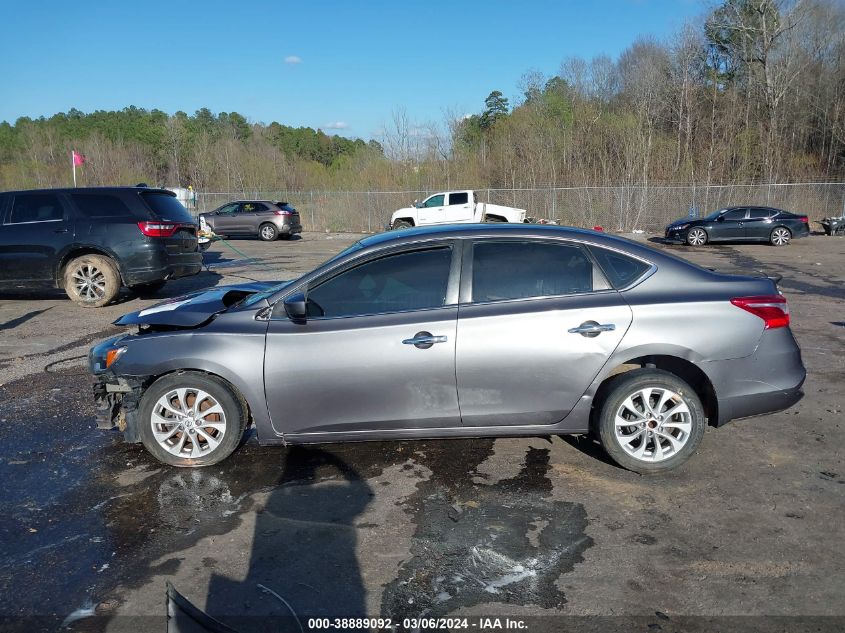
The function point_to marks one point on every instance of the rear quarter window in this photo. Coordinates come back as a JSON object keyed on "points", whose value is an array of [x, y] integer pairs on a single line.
{"points": [[167, 207], [98, 205], [621, 271]]}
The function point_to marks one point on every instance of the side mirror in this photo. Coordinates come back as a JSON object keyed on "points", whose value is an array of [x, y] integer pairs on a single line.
{"points": [[296, 308], [416, 204]]}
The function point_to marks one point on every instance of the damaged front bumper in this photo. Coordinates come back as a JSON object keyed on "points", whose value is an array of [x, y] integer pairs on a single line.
{"points": [[116, 399]]}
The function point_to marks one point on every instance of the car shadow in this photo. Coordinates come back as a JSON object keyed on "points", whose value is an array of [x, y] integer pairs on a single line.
{"points": [[11, 324], [591, 447], [173, 288], [303, 549]]}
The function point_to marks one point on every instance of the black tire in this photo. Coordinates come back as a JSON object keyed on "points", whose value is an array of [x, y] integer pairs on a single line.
{"points": [[495, 219], [268, 232], [150, 288], [402, 224], [695, 236], [780, 236], [91, 281], [232, 423], [687, 427]]}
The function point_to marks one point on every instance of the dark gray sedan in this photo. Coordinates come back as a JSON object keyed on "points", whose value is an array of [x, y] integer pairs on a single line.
{"points": [[457, 331], [741, 224]]}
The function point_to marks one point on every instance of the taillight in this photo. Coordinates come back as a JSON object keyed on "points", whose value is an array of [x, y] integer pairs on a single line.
{"points": [[804, 219], [158, 229], [282, 212], [773, 309]]}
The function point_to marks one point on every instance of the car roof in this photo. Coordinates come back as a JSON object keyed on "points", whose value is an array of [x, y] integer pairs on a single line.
{"points": [[93, 189], [505, 230], [246, 201]]}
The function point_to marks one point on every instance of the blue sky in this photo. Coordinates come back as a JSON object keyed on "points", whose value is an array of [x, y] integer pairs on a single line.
{"points": [[308, 63]]}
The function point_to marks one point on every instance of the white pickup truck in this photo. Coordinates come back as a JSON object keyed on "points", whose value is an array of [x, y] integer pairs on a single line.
{"points": [[450, 207]]}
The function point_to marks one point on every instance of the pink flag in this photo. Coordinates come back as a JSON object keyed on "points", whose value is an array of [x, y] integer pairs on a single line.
{"points": [[78, 159]]}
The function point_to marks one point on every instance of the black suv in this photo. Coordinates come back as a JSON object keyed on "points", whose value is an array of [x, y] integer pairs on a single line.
{"points": [[92, 241]]}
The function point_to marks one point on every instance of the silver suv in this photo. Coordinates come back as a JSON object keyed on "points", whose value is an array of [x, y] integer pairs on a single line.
{"points": [[267, 219]]}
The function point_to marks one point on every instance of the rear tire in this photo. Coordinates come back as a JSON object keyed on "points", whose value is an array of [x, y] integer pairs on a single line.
{"points": [[268, 232], [175, 426], [780, 236], [697, 237], [91, 281], [402, 224], [651, 421]]}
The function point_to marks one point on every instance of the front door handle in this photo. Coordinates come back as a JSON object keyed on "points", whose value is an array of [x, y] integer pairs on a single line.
{"points": [[591, 329], [424, 340], [60, 231]]}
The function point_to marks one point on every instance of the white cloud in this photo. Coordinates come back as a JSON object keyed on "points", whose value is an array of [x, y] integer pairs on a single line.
{"points": [[336, 125], [293, 59]]}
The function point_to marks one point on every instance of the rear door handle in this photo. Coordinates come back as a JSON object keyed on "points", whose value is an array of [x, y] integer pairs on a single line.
{"points": [[592, 329], [60, 230], [424, 340]]}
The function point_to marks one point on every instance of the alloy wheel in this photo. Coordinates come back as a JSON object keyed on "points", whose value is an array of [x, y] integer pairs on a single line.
{"points": [[188, 422], [653, 424], [780, 236], [697, 237], [267, 232], [89, 282]]}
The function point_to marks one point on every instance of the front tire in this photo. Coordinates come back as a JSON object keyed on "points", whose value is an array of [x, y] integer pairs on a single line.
{"points": [[651, 421], [780, 236], [268, 232], [91, 281], [191, 419], [697, 237], [402, 224]]}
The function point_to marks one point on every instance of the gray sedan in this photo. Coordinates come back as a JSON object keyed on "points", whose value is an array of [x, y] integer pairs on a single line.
{"points": [[457, 331]]}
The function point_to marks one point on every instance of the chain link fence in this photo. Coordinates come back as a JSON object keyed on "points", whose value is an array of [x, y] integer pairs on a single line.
{"points": [[623, 208]]}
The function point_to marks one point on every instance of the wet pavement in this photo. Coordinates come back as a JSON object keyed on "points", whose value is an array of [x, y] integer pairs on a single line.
{"points": [[91, 528]]}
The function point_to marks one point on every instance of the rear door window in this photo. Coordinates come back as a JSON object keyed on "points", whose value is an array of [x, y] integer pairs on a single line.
{"points": [[251, 207], [167, 207], [458, 198], [99, 205], [503, 270], [759, 214], [36, 207]]}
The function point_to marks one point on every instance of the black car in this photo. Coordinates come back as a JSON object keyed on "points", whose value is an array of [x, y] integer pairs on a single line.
{"points": [[92, 241], [753, 224]]}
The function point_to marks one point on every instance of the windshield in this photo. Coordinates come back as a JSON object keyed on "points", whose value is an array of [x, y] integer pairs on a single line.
{"points": [[265, 294], [715, 214]]}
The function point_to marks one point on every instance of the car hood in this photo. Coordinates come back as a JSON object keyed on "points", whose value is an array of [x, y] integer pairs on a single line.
{"points": [[195, 308], [683, 221]]}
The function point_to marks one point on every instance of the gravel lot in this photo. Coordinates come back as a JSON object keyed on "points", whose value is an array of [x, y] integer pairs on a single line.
{"points": [[752, 526]]}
